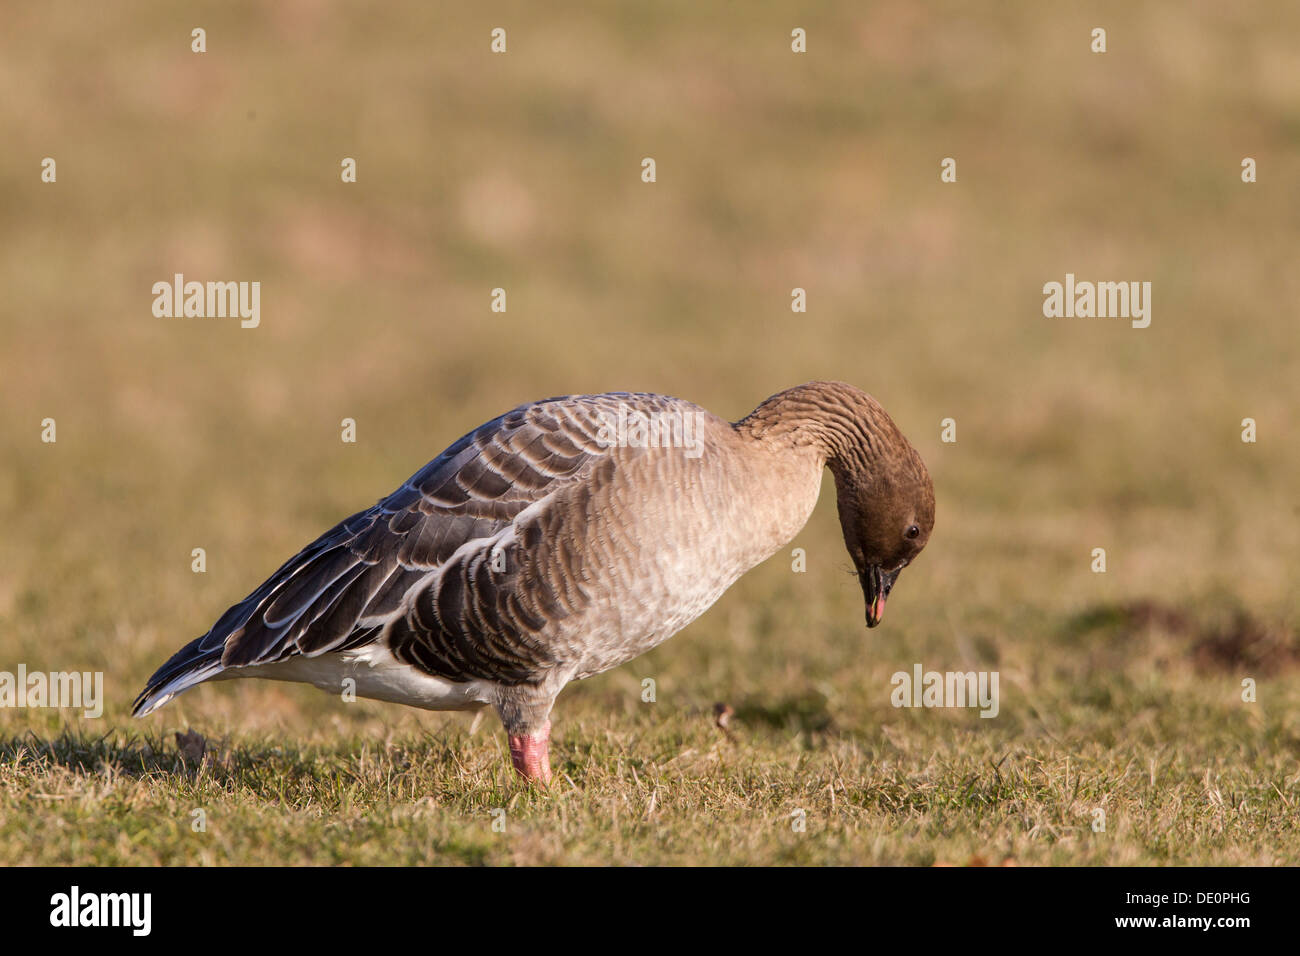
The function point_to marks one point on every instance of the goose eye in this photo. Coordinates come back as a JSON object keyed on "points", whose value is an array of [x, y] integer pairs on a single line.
{"points": [[913, 532]]}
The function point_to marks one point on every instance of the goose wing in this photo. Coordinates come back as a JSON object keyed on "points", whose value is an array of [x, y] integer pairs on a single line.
{"points": [[459, 569]]}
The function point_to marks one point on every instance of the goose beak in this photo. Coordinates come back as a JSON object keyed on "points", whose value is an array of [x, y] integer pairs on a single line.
{"points": [[876, 585]]}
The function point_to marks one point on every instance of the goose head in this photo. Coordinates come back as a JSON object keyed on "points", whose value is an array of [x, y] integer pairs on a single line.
{"points": [[886, 507]]}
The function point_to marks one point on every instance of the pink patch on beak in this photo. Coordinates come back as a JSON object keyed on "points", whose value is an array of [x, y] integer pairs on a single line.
{"points": [[878, 609]]}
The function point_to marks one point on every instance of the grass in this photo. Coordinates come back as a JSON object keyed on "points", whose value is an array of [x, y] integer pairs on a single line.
{"points": [[1115, 713], [1119, 691]]}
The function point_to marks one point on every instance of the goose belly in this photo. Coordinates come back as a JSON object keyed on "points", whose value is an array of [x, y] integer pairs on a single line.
{"points": [[376, 675]]}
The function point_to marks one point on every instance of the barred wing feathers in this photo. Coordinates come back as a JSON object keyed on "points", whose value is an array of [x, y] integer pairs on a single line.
{"points": [[460, 570]]}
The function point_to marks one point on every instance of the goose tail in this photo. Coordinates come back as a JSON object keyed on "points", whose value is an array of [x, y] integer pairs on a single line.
{"points": [[192, 664]]}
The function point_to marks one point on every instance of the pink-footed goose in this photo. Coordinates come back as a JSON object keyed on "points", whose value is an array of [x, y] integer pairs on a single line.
{"points": [[562, 539]]}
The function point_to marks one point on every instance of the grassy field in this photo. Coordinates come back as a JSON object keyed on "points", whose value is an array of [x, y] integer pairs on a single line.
{"points": [[1120, 691]]}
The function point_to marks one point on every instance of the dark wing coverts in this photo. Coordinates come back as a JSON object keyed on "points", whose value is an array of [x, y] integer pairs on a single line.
{"points": [[450, 563]]}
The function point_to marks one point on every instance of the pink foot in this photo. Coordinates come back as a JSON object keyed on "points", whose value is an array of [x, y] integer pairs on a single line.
{"points": [[530, 753]]}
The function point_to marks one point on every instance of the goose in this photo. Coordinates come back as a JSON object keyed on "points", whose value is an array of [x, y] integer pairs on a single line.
{"points": [[560, 540]]}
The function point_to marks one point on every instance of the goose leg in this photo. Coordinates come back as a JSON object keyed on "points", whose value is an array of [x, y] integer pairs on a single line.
{"points": [[531, 755]]}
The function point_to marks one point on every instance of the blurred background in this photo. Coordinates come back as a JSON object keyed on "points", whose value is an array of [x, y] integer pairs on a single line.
{"points": [[774, 171]]}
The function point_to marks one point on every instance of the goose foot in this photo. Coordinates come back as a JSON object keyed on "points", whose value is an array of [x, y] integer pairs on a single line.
{"points": [[531, 756]]}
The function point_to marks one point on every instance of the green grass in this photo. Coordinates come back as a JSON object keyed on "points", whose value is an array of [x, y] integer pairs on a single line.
{"points": [[775, 171], [1112, 714]]}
